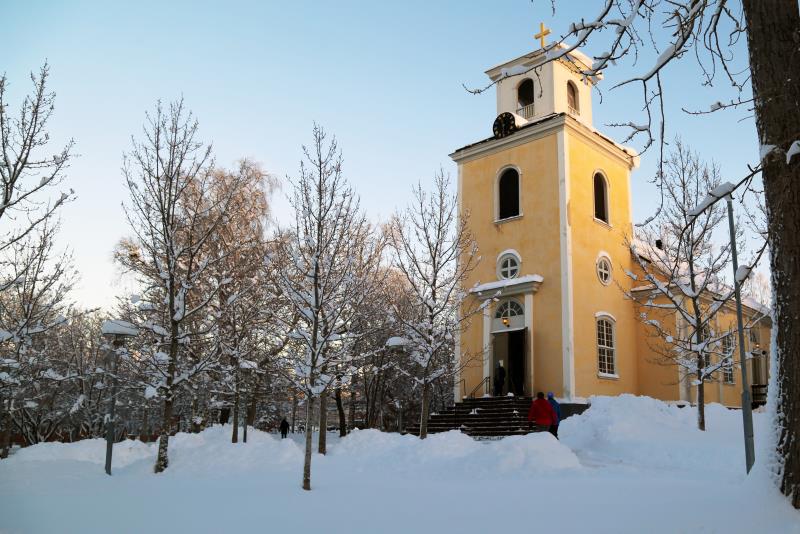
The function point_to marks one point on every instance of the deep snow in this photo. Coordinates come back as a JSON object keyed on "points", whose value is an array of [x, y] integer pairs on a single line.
{"points": [[628, 464]]}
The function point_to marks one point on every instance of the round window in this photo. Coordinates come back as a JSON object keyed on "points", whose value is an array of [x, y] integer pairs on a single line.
{"points": [[508, 266], [604, 270]]}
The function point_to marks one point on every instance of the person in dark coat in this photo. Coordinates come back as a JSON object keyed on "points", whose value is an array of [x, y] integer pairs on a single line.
{"points": [[284, 428], [541, 413], [557, 409], [499, 379]]}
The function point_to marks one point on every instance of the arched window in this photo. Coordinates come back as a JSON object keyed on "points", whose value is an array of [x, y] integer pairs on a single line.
{"points": [[525, 93], [508, 309], [606, 351], [507, 266], [573, 103], [600, 198], [508, 194]]}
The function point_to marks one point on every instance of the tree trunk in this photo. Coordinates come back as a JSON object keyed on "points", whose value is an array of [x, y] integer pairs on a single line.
{"points": [[235, 432], [352, 406], [294, 409], [250, 418], [195, 424], [5, 434], [323, 422], [307, 460], [144, 432], [162, 460], [244, 430], [701, 400], [774, 46], [423, 418], [340, 408]]}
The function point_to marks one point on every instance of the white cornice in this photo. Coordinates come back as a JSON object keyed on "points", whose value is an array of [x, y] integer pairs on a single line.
{"points": [[541, 130]]}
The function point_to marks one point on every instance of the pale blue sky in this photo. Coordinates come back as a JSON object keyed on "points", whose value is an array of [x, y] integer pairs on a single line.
{"points": [[384, 77]]}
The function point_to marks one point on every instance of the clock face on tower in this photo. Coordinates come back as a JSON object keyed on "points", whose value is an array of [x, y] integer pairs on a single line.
{"points": [[504, 125]]}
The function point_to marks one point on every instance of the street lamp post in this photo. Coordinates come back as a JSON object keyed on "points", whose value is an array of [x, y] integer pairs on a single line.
{"points": [[119, 330], [726, 191], [747, 406]]}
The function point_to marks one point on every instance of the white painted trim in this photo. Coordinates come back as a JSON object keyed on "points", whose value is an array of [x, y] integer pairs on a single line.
{"points": [[529, 340], [496, 191], [603, 254], [567, 323], [457, 394], [605, 314], [607, 183], [505, 253], [487, 342]]}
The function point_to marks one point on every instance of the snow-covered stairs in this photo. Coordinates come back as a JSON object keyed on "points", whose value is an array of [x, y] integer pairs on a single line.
{"points": [[482, 417]]}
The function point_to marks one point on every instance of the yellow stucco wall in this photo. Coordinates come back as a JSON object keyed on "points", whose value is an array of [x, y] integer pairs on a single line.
{"points": [[534, 235], [592, 238]]}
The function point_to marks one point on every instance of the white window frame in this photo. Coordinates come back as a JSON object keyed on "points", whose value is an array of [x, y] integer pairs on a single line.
{"points": [[508, 255], [607, 184], [605, 349], [519, 214], [505, 308], [604, 258], [728, 375]]}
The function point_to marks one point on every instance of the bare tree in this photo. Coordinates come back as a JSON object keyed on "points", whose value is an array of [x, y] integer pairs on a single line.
{"points": [[684, 271], [324, 278], [33, 302], [435, 252], [710, 31], [175, 218], [26, 173]]}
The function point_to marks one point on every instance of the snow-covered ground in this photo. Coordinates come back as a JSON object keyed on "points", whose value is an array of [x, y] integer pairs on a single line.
{"points": [[629, 464]]}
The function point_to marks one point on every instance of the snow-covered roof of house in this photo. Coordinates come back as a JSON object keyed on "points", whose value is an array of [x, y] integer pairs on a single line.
{"points": [[116, 327]]}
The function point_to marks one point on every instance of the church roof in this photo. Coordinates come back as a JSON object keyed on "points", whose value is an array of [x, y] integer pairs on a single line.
{"points": [[631, 153]]}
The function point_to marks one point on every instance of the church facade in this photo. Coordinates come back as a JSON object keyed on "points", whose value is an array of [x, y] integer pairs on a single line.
{"points": [[548, 201]]}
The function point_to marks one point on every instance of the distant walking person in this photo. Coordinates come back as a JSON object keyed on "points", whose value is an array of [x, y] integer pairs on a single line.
{"points": [[557, 409], [541, 413], [499, 378], [284, 428]]}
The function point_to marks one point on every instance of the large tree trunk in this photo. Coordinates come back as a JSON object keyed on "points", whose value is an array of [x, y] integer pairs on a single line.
{"points": [[773, 38], [5, 434], [340, 409], [307, 460], [235, 432], [162, 460], [144, 432], [323, 422], [423, 418]]}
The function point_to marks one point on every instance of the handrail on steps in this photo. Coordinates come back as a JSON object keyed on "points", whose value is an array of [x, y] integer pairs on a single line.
{"points": [[484, 383]]}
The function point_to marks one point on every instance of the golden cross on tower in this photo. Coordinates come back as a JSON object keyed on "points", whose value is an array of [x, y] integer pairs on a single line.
{"points": [[543, 32]]}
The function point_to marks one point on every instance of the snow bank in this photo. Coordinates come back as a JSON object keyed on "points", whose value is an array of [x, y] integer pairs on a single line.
{"points": [[88, 450], [645, 432], [454, 455]]}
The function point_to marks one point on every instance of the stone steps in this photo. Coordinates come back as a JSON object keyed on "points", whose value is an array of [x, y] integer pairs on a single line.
{"points": [[488, 417]]}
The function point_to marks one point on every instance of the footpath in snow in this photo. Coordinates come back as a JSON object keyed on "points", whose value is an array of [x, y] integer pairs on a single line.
{"points": [[628, 464]]}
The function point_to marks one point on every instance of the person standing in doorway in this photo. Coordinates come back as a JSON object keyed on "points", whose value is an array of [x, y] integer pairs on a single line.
{"points": [[557, 410], [499, 378], [284, 428]]}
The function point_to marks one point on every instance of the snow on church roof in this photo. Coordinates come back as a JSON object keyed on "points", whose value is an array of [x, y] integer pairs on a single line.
{"points": [[511, 282]]}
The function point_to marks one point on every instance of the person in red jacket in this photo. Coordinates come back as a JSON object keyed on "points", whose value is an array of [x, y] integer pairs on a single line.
{"points": [[541, 413]]}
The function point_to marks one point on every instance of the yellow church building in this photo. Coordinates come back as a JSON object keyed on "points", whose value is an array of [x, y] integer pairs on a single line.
{"points": [[548, 199]]}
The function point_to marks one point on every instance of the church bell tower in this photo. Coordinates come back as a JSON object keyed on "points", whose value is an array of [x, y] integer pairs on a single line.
{"points": [[547, 198]]}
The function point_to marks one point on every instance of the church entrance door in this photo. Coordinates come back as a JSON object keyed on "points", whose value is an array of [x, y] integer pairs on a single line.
{"points": [[509, 350]]}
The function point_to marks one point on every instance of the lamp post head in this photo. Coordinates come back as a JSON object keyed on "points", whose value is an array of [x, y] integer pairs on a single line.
{"points": [[117, 328]]}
